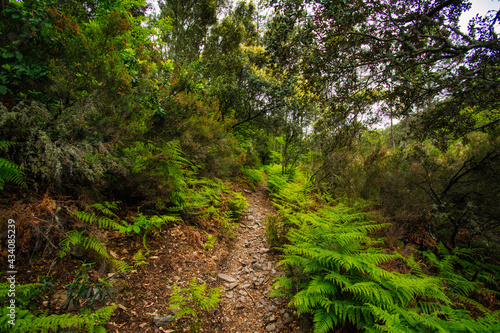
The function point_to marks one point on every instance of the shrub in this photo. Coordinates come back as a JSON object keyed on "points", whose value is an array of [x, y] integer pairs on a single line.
{"points": [[85, 293]]}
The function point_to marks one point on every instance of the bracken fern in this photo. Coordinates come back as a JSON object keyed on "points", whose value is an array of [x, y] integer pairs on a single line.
{"points": [[27, 321], [10, 172], [77, 238], [335, 273]]}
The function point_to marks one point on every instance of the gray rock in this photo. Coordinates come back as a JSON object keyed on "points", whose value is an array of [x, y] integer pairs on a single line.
{"points": [[160, 321], [226, 277], [231, 286], [248, 270], [257, 266], [270, 328]]}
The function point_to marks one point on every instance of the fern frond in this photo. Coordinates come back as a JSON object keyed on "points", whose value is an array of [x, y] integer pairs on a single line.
{"points": [[96, 245], [107, 208], [4, 145], [71, 237], [23, 291], [121, 266], [324, 321], [11, 173], [102, 221]]}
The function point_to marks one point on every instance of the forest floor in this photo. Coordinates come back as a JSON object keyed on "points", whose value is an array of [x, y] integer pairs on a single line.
{"points": [[243, 265]]}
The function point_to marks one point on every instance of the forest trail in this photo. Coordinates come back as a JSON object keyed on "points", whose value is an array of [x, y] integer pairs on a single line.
{"points": [[244, 266], [245, 303]]}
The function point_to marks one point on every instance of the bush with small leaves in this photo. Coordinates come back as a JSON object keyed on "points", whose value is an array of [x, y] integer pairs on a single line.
{"points": [[85, 293]]}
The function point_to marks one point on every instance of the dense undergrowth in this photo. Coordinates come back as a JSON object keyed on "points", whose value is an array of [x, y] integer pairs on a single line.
{"points": [[341, 274]]}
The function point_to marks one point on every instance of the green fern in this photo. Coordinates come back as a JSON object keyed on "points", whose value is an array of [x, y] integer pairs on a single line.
{"points": [[141, 224], [254, 176], [105, 221], [335, 273], [237, 204], [210, 243], [10, 172], [138, 259], [27, 321], [77, 238], [191, 301]]}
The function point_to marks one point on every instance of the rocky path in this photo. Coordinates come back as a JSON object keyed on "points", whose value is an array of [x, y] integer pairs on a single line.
{"points": [[246, 305]]}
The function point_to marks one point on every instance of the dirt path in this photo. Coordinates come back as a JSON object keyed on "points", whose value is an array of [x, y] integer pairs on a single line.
{"points": [[249, 272]]}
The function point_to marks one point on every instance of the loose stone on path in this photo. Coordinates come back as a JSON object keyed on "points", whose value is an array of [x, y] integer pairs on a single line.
{"points": [[227, 278]]}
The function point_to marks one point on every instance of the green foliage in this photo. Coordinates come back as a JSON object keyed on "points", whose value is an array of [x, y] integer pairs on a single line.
{"points": [[138, 259], [443, 187], [294, 189], [192, 300], [189, 302], [237, 204], [190, 22], [18, 61], [143, 224], [276, 180], [210, 200], [77, 243], [336, 272], [105, 221], [10, 172], [28, 320], [85, 293], [254, 176], [161, 171], [140, 225], [210, 243], [25, 294], [275, 230]]}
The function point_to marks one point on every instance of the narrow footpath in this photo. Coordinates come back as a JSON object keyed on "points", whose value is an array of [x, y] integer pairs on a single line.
{"points": [[246, 305], [244, 266]]}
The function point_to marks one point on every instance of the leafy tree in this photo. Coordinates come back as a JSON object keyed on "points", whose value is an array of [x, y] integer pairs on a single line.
{"points": [[190, 23]]}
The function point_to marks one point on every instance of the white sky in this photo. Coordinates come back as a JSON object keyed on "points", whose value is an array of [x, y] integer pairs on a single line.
{"points": [[480, 7]]}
